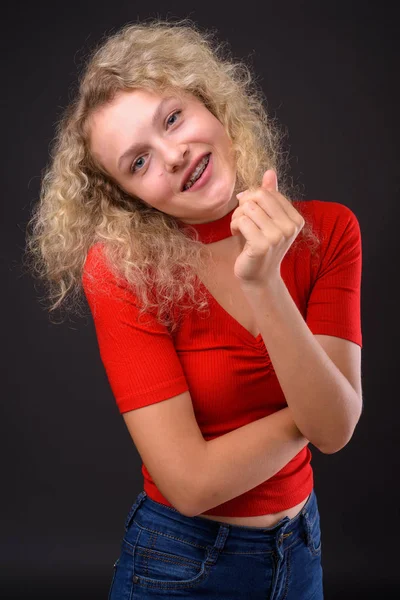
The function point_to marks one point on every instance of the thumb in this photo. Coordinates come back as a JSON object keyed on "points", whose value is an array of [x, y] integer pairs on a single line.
{"points": [[270, 181]]}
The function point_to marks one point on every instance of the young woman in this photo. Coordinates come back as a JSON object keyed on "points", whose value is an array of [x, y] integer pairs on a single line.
{"points": [[228, 324]]}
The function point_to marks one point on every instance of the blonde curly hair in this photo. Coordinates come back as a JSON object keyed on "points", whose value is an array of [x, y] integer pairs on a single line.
{"points": [[81, 205]]}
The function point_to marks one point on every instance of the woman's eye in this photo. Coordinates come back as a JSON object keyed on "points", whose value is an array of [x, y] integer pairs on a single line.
{"points": [[177, 112], [135, 164]]}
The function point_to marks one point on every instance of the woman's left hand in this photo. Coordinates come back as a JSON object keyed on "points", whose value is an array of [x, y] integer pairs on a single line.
{"points": [[270, 224]]}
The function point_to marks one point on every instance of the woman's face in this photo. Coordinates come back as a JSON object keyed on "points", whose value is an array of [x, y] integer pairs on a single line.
{"points": [[151, 144]]}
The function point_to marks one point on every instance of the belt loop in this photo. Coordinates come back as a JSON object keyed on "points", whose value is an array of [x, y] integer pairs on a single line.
{"points": [[213, 552], [141, 497], [304, 510]]}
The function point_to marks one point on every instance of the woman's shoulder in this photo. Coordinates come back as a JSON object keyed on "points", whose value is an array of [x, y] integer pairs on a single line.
{"points": [[97, 275], [324, 211], [95, 256], [331, 221], [95, 266]]}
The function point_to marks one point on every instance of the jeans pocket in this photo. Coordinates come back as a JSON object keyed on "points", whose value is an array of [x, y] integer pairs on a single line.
{"points": [[162, 560], [314, 541]]}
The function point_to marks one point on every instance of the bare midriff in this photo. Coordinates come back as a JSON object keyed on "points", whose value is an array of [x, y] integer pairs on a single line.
{"points": [[261, 520]]}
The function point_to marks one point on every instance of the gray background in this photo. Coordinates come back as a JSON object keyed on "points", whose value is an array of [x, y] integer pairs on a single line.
{"points": [[69, 468]]}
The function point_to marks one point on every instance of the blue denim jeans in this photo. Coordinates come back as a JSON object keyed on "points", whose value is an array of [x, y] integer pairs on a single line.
{"points": [[165, 554]]}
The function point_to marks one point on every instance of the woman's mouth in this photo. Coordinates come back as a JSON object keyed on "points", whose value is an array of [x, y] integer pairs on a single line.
{"points": [[203, 179]]}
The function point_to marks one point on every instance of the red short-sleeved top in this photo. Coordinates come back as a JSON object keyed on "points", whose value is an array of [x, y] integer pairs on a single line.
{"points": [[227, 371]]}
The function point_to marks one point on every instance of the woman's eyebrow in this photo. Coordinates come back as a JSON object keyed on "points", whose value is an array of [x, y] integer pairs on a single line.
{"points": [[132, 148]]}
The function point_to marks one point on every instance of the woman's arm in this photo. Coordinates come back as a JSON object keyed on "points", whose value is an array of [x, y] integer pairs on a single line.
{"points": [[240, 460], [326, 405], [322, 388]]}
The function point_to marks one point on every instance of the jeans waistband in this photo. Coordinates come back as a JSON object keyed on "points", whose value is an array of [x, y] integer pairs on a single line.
{"points": [[148, 513]]}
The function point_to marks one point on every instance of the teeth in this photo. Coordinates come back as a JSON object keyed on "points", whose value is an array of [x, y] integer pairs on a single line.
{"points": [[197, 172]]}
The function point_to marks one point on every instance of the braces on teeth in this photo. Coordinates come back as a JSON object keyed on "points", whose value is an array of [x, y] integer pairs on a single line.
{"points": [[198, 171]]}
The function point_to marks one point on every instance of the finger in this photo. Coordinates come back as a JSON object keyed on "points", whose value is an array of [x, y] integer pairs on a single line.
{"points": [[246, 226], [270, 181], [257, 243], [273, 229], [266, 200], [265, 225], [270, 217], [290, 210], [287, 207], [270, 184], [244, 196]]}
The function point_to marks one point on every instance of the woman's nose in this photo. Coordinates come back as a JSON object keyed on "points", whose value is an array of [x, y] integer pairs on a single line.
{"points": [[174, 156]]}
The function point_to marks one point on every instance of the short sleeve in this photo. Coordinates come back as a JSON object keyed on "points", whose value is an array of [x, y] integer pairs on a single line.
{"points": [[138, 354], [334, 305]]}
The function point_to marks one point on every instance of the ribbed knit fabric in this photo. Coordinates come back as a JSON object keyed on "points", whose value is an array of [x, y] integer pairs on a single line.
{"points": [[226, 369]]}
